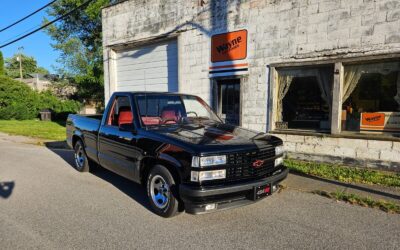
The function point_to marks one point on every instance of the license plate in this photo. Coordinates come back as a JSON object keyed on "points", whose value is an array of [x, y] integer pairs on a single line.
{"points": [[262, 191]]}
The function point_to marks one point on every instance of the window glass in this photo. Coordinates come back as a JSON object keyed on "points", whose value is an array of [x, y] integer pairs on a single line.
{"points": [[229, 100], [304, 98], [194, 108], [371, 98], [120, 113], [162, 110]]}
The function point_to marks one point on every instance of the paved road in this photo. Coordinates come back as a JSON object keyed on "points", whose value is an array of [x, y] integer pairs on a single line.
{"points": [[52, 206]]}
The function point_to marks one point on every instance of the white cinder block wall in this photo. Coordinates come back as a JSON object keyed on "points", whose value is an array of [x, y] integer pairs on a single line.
{"points": [[278, 31]]}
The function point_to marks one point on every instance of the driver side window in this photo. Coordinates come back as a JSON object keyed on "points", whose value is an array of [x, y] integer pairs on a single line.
{"points": [[120, 113]]}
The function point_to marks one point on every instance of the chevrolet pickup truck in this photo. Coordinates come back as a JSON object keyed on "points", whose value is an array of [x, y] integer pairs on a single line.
{"points": [[186, 157]]}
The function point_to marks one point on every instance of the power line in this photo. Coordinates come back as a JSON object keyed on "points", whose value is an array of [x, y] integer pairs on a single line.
{"points": [[47, 24], [21, 33], [22, 19]]}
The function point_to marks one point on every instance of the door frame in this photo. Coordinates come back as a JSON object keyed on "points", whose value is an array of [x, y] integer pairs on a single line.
{"points": [[215, 96], [125, 150]]}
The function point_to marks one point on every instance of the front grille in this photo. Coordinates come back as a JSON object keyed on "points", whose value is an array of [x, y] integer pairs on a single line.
{"points": [[240, 165]]}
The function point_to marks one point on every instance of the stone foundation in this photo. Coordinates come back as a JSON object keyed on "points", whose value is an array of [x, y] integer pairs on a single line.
{"points": [[357, 152]]}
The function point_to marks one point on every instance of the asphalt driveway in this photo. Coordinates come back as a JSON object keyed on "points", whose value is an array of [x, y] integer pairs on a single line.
{"points": [[46, 204]]}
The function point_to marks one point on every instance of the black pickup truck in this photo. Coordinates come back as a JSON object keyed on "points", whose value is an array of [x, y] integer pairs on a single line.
{"points": [[180, 150]]}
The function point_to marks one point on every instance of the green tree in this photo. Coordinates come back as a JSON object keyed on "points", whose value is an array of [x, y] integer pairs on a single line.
{"points": [[1, 64], [29, 66], [42, 71], [78, 38], [19, 101]]}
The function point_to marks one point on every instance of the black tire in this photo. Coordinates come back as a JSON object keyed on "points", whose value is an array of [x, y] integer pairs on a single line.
{"points": [[80, 157], [154, 183]]}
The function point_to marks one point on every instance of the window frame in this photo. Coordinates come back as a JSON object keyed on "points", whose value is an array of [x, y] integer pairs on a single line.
{"points": [[111, 108], [141, 123], [337, 88], [274, 95], [215, 93]]}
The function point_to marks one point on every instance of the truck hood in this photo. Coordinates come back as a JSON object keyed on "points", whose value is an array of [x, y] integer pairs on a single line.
{"points": [[218, 137]]}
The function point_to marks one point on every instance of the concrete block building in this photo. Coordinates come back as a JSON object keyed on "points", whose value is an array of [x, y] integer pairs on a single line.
{"points": [[321, 74]]}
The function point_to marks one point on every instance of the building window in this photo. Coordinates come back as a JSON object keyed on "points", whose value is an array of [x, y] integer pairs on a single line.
{"points": [[304, 98], [229, 100], [371, 97]]}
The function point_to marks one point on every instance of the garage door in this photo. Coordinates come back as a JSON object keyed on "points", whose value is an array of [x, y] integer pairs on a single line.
{"points": [[148, 68]]}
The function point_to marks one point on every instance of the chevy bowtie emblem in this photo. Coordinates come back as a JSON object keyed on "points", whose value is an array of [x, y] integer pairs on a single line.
{"points": [[257, 163]]}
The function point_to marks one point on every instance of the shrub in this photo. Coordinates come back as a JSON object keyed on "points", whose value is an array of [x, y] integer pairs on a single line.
{"points": [[20, 102]]}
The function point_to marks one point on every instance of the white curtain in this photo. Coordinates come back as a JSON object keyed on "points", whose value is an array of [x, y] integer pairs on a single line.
{"points": [[323, 76], [353, 73], [284, 83]]}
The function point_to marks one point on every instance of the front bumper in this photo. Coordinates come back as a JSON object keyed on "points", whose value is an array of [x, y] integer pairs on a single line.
{"points": [[228, 196]]}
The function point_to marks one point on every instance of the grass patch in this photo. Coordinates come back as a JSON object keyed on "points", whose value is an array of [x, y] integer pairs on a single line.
{"points": [[386, 206], [344, 174], [34, 128]]}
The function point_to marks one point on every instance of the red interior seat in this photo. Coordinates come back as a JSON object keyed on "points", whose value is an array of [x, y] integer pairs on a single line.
{"points": [[150, 120], [125, 116], [169, 114]]}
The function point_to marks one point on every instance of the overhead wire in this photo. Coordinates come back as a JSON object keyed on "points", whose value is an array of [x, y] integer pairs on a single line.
{"points": [[47, 24], [24, 18]]}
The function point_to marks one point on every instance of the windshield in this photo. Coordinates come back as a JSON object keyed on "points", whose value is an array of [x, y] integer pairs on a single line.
{"points": [[163, 110]]}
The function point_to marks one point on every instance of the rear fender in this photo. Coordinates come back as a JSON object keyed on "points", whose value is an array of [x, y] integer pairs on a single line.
{"points": [[77, 135]]}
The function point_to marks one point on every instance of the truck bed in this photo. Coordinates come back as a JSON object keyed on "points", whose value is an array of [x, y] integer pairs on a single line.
{"points": [[86, 125], [95, 116]]}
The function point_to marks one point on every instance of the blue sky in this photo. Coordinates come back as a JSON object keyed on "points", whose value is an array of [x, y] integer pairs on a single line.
{"points": [[36, 45]]}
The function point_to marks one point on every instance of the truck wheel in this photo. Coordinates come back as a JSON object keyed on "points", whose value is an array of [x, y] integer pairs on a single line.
{"points": [[81, 159], [161, 190]]}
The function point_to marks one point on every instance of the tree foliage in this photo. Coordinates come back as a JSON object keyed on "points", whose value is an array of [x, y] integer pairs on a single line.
{"points": [[42, 70], [20, 102], [78, 38], [1, 64], [29, 66]]}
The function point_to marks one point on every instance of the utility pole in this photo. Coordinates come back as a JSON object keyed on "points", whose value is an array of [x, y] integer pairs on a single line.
{"points": [[20, 61]]}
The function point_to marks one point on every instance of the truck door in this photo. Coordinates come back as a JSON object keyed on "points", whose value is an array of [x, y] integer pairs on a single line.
{"points": [[117, 141]]}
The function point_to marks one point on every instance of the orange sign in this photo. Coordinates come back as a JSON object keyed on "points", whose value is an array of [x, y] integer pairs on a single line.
{"points": [[229, 46], [382, 121], [372, 119]]}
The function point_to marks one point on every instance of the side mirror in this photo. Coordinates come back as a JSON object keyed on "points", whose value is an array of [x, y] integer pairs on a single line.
{"points": [[127, 127]]}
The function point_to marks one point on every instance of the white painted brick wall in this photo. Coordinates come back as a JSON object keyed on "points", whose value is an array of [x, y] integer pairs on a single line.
{"points": [[343, 147], [278, 31]]}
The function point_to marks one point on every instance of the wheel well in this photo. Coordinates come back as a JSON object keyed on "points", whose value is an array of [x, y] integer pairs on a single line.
{"points": [[75, 138], [148, 163]]}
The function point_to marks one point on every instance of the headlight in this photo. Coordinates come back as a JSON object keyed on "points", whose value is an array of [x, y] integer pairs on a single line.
{"points": [[278, 161], [206, 161], [207, 175], [279, 150]]}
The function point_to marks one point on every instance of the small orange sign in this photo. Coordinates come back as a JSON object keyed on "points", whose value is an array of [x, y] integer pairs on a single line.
{"points": [[229, 46], [372, 119]]}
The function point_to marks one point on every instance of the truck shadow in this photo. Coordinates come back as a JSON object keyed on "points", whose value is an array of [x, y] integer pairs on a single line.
{"points": [[132, 189]]}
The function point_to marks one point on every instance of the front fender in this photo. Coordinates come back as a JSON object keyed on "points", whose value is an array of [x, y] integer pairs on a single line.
{"points": [[174, 158], [170, 160]]}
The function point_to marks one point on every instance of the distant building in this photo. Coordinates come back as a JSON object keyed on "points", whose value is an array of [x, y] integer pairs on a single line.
{"points": [[37, 81]]}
